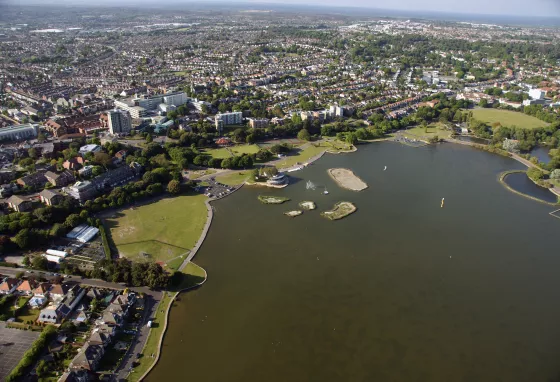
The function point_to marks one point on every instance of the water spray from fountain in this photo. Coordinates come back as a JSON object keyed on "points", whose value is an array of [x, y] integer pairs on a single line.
{"points": [[310, 185]]}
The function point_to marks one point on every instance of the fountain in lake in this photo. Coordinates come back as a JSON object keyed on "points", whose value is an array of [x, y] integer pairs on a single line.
{"points": [[310, 185]]}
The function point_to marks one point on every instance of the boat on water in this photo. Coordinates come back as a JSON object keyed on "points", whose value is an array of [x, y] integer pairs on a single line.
{"points": [[325, 192]]}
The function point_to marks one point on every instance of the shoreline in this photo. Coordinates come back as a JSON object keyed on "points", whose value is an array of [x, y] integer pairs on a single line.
{"points": [[501, 178], [516, 157], [166, 319]]}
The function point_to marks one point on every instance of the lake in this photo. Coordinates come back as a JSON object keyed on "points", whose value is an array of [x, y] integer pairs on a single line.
{"points": [[541, 153], [520, 182], [402, 290]]}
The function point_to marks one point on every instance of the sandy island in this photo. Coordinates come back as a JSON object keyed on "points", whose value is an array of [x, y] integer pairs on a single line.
{"points": [[346, 179], [308, 205], [293, 214]]}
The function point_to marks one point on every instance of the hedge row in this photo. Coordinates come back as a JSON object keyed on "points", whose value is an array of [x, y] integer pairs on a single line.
{"points": [[105, 241]]}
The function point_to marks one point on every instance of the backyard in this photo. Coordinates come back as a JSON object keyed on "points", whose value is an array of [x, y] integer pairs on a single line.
{"points": [[508, 118], [163, 231]]}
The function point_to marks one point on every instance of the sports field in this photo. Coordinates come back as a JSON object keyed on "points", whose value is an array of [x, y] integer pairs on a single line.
{"points": [[433, 129], [163, 231], [508, 118]]}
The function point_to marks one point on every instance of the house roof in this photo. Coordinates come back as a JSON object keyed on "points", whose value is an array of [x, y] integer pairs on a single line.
{"points": [[8, 284], [16, 200], [27, 286], [48, 194], [59, 289], [42, 288]]}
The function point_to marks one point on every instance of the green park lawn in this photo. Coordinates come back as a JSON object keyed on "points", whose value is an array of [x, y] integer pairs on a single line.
{"points": [[192, 276], [234, 178], [200, 173], [302, 156], [508, 118], [434, 129], [224, 152], [163, 230], [220, 153]]}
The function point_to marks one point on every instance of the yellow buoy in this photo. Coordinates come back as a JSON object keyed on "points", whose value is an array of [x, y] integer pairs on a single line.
{"points": [[442, 202]]}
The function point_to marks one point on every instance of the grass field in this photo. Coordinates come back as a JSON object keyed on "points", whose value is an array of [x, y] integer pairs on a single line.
{"points": [[164, 229], [192, 275], [508, 118], [236, 150], [302, 156], [433, 130], [197, 174], [234, 178]]}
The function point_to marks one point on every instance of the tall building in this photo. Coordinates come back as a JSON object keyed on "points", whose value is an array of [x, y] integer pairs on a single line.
{"points": [[119, 121], [235, 118]]}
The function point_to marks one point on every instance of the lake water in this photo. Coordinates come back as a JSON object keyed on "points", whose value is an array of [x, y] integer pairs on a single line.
{"points": [[402, 290], [541, 153], [520, 182]]}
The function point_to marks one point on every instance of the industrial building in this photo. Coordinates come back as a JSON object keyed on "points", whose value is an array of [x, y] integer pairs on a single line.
{"points": [[19, 132], [83, 233]]}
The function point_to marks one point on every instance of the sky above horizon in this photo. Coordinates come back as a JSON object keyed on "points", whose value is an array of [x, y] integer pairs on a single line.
{"points": [[550, 8], [543, 8]]}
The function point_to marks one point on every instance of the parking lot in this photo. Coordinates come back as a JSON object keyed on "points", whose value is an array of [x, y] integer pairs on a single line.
{"points": [[13, 343], [217, 190]]}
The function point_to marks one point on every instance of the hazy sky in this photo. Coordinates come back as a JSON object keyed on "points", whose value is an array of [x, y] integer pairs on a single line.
{"points": [[549, 8]]}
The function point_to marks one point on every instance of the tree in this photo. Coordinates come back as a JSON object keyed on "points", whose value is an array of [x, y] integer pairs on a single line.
{"points": [[149, 138], [555, 174], [102, 159], [351, 138], [44, 214], [72, 220], [23, 238], [39, 262], [483, 103], [304, 135], [174, 187], [19, 275]]}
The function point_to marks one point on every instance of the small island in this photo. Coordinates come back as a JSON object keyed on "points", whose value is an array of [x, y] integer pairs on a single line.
{"points": [[273, 199], [294, 213], [346, 179], [307, 205], [339, 211]]}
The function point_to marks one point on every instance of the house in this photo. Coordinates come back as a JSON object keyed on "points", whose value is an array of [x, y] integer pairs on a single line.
{"points": [[100, 338], [88, 357], [51, 314], [36, 180], [27, 287], [81, 316], [19, 204], [42, 290], [120, 155], [9, 286], [50, 198], [60, 180], [74, 163], [77, 376], [111, 319], [58, 291]]}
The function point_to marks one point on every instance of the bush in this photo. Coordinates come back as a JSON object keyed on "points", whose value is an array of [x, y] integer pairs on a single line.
{"points": [[535, 174], [555, 174]]}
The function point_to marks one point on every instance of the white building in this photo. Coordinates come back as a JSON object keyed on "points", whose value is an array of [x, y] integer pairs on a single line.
{"points": [[119, 121], [92, 148], [19, 132], [235, 118], [537, 93]]}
